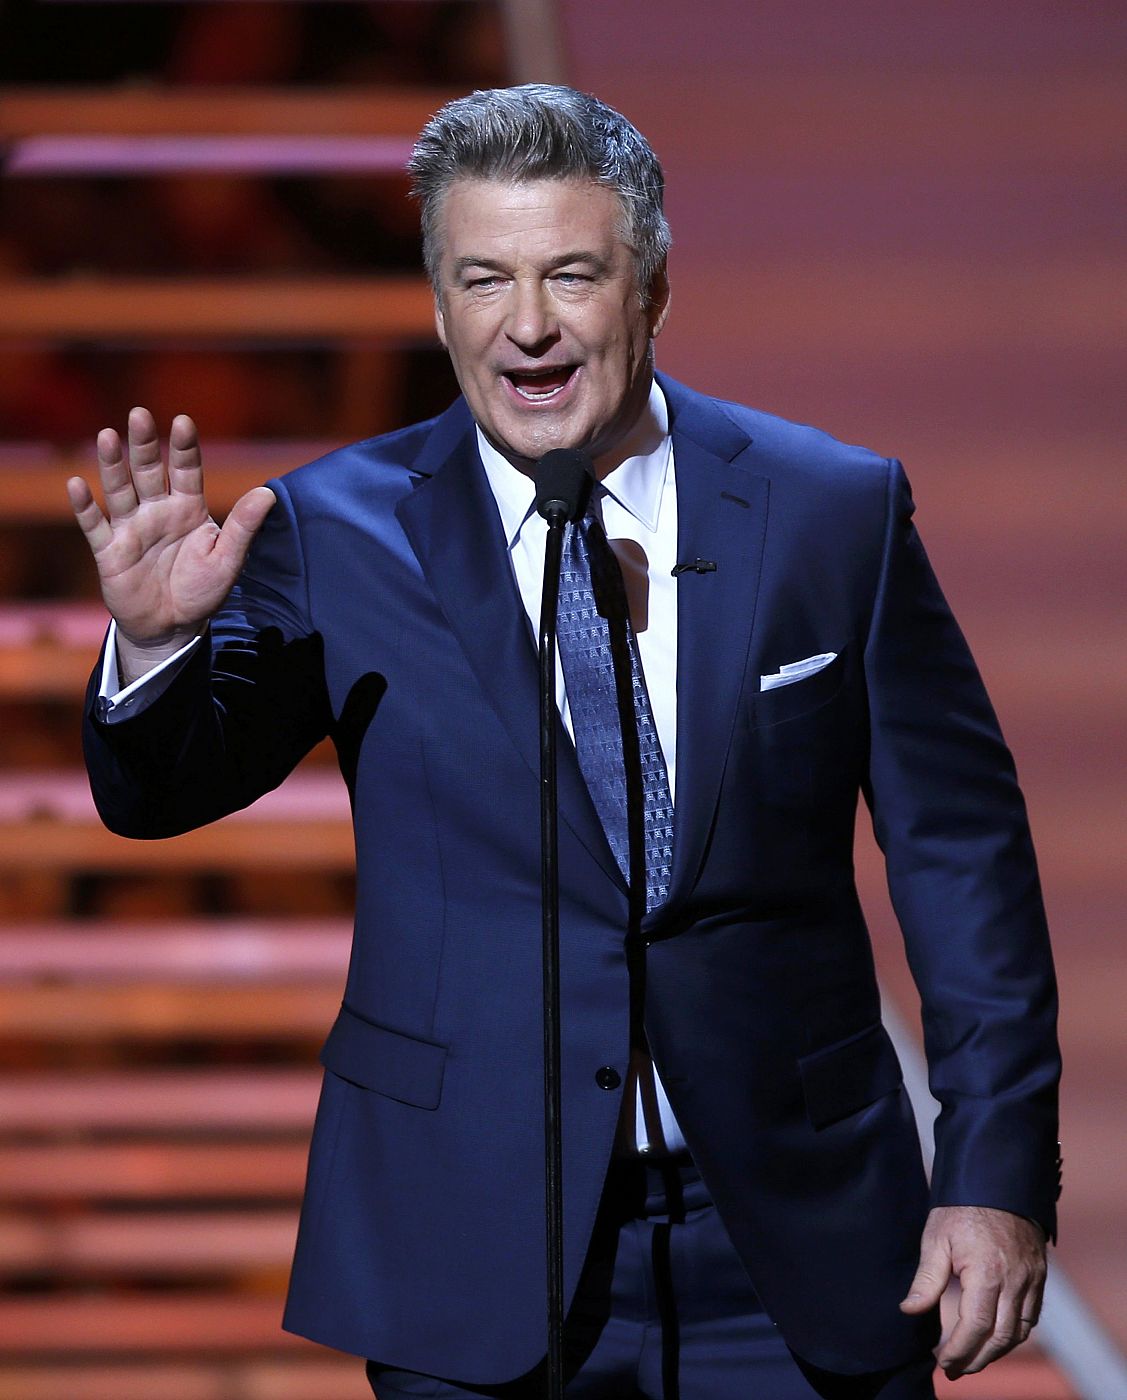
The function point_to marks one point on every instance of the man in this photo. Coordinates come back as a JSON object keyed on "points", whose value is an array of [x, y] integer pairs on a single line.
{"points": [[744, 1197]]}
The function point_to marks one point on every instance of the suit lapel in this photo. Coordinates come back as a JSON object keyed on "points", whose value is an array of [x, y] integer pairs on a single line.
{"points": [[452, 524], [722, 517]]}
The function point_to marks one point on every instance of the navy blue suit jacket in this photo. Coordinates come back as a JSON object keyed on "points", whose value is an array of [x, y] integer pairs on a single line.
{"points": [[379, 606]]}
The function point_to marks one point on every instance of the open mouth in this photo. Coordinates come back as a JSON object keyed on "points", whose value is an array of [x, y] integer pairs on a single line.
{"points": [[541, 386]]}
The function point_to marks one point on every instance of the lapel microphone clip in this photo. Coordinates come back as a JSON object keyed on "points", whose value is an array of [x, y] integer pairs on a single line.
{"points": [[698, 566]]}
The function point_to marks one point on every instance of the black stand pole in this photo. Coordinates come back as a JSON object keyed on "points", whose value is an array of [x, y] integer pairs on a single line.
{"points": [[563, 479], [550, 926]]}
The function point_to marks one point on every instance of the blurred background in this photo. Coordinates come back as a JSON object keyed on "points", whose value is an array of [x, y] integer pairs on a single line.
{"points": [[903, 223]]}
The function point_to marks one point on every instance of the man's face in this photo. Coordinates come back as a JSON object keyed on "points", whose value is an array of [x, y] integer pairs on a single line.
{"points": [[539, 307]]}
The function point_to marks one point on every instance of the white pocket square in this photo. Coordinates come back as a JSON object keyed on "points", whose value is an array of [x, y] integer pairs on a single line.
{"points": [[797, 670]]}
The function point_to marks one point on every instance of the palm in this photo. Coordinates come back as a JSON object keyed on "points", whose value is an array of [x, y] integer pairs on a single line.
{"points": [[163, 564], [157, 572]]}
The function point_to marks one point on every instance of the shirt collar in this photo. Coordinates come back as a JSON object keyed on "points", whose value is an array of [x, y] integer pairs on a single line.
{"points": [[636, 480]]}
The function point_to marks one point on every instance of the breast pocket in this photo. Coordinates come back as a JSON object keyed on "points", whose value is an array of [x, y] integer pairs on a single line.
{"points": [[781, 782], [799, 698], [793, 740]]}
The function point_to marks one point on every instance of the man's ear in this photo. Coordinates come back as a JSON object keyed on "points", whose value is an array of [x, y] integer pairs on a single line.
{"points": [[659, 300], [439, 319]]}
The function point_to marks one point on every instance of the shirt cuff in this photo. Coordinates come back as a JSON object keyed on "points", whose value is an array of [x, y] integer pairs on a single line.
{"points": [[114, 703]]}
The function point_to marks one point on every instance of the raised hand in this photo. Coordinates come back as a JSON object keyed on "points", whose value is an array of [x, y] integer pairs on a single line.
{"points": [[164, 565]]}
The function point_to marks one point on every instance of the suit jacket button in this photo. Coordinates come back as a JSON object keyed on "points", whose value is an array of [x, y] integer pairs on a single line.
{"points": [[608, 1077]]}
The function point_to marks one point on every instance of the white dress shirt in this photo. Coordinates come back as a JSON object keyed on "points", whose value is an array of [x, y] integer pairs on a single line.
{"points": [[640, 517], [639, 514]]}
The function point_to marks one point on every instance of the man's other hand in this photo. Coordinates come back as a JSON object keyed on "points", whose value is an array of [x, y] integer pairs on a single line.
{"points": [[999, 1261]]}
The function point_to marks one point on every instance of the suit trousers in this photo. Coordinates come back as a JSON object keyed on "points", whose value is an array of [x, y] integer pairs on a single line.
{"points": [[664, 1310]]}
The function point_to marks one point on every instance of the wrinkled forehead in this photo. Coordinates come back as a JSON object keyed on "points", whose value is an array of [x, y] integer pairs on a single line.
{"points": [[475, 207]]}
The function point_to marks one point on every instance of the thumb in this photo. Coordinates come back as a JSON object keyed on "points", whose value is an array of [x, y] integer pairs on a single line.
{"points": [[242, 524], [932, 1277]]}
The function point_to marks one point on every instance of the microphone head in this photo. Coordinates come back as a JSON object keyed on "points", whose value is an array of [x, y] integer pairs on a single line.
{"points": [[564, 478]]}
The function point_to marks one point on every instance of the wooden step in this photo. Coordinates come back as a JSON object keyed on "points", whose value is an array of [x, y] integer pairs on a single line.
{"points": [[250, 1378], [151, 1170], [48, 822], [33, 475], [188, 951], [312, 309], [233, 844], [273, 156], [64, 796], [154, 1244], [47, 650], [192, 1322], [46, 1013], [217, 111], [227, 1100]]}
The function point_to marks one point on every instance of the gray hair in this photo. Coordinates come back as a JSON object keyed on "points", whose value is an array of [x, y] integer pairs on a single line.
{"points": [[536, 132]]}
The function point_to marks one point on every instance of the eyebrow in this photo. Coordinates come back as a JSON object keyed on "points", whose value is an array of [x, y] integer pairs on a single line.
{"points": [[593, 260], [463, 263]]}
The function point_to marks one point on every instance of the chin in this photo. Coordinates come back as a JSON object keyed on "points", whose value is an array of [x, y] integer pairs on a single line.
{"points": [[532, 443]]}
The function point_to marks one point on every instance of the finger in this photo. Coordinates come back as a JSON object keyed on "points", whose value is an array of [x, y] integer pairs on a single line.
{"points": [[241, 526], [1029, 1307], [1009, 1331], [113, 472], [145, 462], [185, 467], [1031, 1304], [932, 1278], [87, 512], [978, 1313]]}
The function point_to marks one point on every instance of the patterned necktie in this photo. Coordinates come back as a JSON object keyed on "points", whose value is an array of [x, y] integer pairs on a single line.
{"points": [[615, 737]]}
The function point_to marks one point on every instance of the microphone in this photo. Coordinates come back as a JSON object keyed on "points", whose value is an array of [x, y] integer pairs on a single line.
{"points": [[563, 479]]}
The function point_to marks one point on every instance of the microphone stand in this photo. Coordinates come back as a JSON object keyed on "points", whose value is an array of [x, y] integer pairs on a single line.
{"points": [[556, 516], [563, 479]]}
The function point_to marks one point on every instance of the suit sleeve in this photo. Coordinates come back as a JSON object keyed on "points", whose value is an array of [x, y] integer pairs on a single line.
{"points": [[951, 821], [243, 710]]}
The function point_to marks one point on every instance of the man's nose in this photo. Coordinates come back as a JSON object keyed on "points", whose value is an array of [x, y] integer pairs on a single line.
{"points": [[532, 319]]}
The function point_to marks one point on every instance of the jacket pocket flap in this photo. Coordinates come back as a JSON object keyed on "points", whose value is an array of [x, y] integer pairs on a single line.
{"points": [[387, 1061], [849, 1075]]}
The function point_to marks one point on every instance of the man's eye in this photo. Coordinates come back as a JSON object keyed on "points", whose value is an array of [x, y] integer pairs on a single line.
{"points": [[571, 279], [483, 284]]}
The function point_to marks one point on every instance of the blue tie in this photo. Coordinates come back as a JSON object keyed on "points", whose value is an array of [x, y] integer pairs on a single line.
{"points": [[615, 737]]}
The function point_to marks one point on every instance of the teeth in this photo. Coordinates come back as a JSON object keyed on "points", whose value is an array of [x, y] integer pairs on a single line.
{"points": [[539, 394]]}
